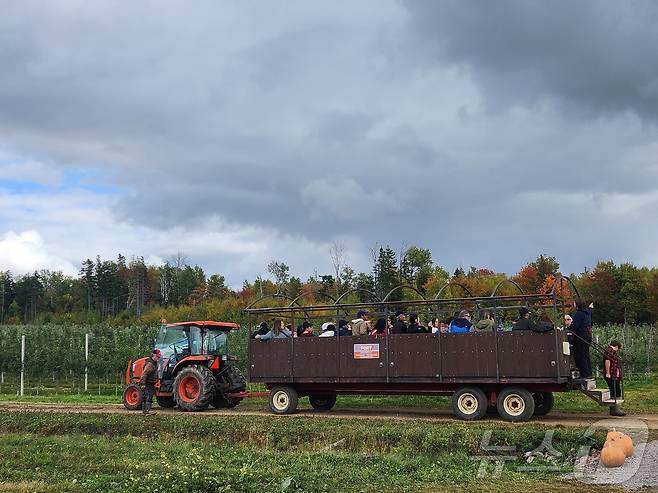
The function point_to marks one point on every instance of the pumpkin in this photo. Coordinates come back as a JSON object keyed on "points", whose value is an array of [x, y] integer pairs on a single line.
{"points": [[626, 444], [614, 435], [612, 455]]}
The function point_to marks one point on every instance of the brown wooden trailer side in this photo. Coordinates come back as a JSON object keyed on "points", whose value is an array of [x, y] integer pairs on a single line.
{"points": [[412, 358]]}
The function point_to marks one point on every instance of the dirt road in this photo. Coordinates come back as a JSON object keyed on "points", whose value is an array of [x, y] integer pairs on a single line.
{"points": [[554, 419]]}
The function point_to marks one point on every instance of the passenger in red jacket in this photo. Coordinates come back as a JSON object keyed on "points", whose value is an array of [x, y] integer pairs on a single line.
{"points": [[381, 328], [612, 373]]}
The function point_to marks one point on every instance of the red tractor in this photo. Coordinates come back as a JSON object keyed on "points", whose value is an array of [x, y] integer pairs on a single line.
{"points": [[195, 370]]}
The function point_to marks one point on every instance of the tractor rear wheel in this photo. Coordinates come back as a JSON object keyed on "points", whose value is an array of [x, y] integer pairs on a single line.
{"points": [[194, 388], [165, 402], [283, 400], [322, 402], [132, 397]]}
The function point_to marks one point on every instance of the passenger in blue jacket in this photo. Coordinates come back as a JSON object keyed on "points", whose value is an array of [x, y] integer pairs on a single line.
{"points": [[462, 324], [581, 327]]}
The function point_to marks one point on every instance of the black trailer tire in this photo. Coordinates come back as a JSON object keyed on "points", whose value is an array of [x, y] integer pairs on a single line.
{"points": [[515, 404], [221, 402], [194, 388], [322, 402], [133, 397], [543, 403], [469, 403], [165, 401], [283, 400]]}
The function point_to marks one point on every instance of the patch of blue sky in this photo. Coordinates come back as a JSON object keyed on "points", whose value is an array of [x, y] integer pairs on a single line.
{"points": [[91, 180]]}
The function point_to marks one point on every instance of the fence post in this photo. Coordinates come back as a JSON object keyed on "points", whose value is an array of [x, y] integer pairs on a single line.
{"points": [[22, 365], [86, 361]]}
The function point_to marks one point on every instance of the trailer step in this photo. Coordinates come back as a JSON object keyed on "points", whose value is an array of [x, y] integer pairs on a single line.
{"points": [[601, 396]]}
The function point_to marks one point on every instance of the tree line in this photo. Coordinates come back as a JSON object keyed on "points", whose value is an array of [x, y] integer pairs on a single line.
{"points": [[126, 291]]}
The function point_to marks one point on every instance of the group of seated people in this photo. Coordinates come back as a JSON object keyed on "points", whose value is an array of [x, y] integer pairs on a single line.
{"points": [[460, 323]]}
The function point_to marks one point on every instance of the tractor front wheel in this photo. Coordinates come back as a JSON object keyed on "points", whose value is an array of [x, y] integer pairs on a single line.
{"points": [[132, 397], [194, 388]]}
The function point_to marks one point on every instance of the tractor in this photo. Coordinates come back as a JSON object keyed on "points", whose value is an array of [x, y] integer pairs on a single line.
{"points": [[194, 371]]}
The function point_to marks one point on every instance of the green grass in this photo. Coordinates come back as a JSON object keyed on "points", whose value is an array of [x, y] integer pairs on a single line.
{"points": [[99, 453]]}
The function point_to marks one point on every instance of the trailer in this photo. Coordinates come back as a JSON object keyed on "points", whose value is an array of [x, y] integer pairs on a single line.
{"points": [[514, 373]]}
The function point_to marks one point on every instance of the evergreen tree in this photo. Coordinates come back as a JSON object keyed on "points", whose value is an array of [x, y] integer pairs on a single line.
{"points": [[385, 274], [88, 282]]}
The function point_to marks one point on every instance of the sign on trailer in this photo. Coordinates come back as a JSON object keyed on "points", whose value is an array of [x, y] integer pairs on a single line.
{"points": [[366, 351]]}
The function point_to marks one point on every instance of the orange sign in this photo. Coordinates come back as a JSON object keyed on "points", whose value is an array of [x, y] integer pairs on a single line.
{"points": [[366, 351]]}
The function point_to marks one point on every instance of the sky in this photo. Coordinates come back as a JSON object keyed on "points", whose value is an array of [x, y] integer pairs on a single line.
{"points": [[243, 132]]}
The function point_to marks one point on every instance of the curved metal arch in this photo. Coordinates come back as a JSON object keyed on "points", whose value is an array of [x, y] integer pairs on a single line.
{"points": [[510, 281], [453, 283], [268, 296], [355, 290], [303, 295], [401, 287], [569, 282]]}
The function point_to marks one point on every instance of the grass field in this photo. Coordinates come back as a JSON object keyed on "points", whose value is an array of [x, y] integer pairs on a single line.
{"points": [[117, 453]]}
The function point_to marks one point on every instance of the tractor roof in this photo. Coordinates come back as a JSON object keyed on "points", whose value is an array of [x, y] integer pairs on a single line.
{"points": [[210, 324]]}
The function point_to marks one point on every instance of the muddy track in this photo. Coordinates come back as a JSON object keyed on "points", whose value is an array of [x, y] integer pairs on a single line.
{"points": [[554, 419]]}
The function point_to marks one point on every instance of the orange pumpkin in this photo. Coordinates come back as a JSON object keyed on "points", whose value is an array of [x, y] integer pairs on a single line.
{"points": [[612, 455], [626, 444], [614, 435]]}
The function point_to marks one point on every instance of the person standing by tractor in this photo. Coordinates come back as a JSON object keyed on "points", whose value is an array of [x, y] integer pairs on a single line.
{"points": [[149, 377]]}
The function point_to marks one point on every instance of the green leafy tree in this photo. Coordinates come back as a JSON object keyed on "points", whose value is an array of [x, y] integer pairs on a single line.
{"points": [[281, 273], [217, 287], [416, 266]]}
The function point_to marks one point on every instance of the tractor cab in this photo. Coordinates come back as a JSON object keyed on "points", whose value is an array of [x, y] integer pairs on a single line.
{"points": [[179, 341]]}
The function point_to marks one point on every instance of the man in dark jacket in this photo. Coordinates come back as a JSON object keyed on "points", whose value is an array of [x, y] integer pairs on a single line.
{"points": [[400, 325], [149, 377], [581, 328], [414, 325], [524, 322]]}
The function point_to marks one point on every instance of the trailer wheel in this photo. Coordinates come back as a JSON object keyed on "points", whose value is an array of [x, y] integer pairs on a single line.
{"points": [[132, 397], [221, 402], [322, 402], [543, 403], [469, 403], [515, 404], [194, 388], [166, 402], [492, 410], [283, 400]]}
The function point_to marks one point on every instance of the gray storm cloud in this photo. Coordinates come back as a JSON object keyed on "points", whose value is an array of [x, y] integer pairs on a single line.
{"points": [[486, 131]]}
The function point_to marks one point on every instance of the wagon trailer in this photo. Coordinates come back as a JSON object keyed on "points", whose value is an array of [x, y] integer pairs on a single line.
{"points": [[514, 372]]}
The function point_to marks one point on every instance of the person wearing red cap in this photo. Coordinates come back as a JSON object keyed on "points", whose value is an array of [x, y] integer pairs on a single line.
{"points": [[149, 377]]}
